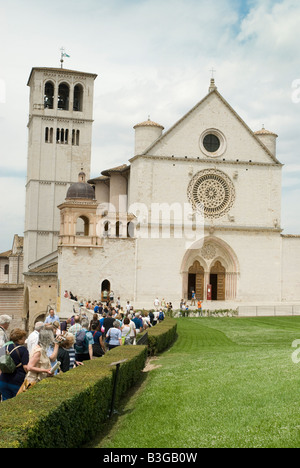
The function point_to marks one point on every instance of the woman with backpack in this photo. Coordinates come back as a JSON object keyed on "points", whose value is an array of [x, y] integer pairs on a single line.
{"points": [[10, 383], [84, 342]]}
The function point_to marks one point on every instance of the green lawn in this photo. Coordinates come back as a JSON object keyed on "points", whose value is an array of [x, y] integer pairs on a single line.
{"points": [[226, 382]]}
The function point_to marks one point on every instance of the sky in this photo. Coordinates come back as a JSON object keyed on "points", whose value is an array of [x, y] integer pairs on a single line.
{"points": [[152, 57]]}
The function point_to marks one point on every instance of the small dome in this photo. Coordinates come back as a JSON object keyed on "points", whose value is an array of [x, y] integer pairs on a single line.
{"points": [[263, 131], [81, 189], [148, 123]]}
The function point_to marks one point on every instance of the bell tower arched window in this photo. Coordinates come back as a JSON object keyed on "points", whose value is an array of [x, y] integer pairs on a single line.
{"points": [[83, 226], [78, 98], [63, 96], [49, 95]]}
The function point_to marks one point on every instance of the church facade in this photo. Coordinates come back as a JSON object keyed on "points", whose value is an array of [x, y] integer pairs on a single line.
{"points": [[196, 208]]}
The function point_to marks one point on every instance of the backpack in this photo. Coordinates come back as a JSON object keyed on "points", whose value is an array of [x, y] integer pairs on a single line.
{"points": [[81, 343], [161, 316], [7, 364]]}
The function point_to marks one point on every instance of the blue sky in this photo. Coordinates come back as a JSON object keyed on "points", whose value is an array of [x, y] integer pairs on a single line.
{"points": [[152, 57]]}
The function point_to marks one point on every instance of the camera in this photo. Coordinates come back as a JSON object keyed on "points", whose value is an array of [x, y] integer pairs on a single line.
{"points": [[60, 339]]}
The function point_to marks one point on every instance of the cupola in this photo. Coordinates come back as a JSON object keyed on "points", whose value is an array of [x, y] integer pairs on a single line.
{"points": [[81, 189], [146, 133]]}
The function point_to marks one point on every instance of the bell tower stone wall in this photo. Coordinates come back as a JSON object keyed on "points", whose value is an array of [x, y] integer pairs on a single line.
{"points": [[59, 147]]}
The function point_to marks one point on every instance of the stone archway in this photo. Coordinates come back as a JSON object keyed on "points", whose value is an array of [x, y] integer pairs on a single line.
{"points": [[216, 258], [196, 281], [217, 280]]}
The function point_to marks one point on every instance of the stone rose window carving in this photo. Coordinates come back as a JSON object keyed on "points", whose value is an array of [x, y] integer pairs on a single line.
{"points": [[208, 252], [211, 192]]}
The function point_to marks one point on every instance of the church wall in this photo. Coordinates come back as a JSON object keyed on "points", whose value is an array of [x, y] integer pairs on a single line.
{"points": [[213, 113], [159, 263], [259, 257], [118, 188], [257, 188], [158, 271], [4, 278], [84, 272], [102, 193], [40, 295], [15, 269], [291, 268], [12, 304]]}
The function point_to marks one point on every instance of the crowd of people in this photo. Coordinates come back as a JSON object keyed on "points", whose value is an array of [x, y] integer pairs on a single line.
{"points": [[185, 309], [59, 346]]}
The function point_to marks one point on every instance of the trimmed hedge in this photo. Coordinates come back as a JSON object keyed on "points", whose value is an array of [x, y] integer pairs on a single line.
{"points": [[162, 336], [66, 411]]}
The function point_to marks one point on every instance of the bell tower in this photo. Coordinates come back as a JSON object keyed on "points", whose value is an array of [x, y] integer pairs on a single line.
{"points": [[59, 147]]}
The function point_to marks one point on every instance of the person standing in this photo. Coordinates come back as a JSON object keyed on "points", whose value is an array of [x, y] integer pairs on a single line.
{"points": [[114, 336], [151, 316], [132, 334], [108, 322], [200, 308], [5, 321], [193, 302], [98, 346], [33, 338], [125, 330], [76, 327], [10, 384], [52, 317], [39, 366], [84, 342]]}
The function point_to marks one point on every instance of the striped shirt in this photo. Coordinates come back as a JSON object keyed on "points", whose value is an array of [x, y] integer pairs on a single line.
{"points": [[71, 352], [75, 329]]}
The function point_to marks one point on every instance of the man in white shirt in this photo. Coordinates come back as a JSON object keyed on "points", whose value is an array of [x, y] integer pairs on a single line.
{"points": [[33, 338], [156, 303], [132, 334]]}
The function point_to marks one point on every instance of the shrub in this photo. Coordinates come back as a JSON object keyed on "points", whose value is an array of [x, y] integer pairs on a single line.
{"points": [[162, 336], [66, 411]]}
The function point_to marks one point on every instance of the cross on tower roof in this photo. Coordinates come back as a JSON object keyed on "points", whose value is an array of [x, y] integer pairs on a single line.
{"points": [[212, 72]]}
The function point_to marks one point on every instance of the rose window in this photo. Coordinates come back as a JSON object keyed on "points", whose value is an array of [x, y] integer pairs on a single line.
{"points": [[211, 192]]}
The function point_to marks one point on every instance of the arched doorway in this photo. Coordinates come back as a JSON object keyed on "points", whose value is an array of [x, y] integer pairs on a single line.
{"points": [[217, 281], [220, 265], [196, 281], [105, 290]]}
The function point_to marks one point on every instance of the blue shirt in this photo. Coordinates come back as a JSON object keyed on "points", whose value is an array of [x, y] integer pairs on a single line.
{"points": [[138, 322], [50, 319], [114, 335]]}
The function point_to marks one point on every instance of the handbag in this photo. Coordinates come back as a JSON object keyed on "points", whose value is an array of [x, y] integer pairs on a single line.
{"points": [[25, 386], [7, 364], [126, 339]]}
